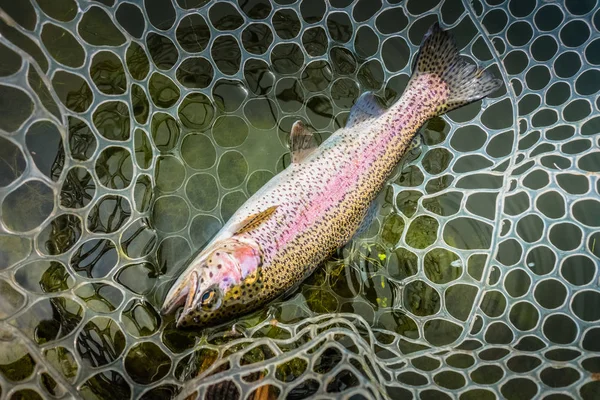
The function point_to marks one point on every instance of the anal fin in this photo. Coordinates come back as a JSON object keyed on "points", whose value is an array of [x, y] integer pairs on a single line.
{"points": [[416, 143], [372, 212], [367, 107], [302, 142]]}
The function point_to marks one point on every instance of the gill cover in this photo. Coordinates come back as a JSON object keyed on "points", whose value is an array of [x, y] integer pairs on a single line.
{"points": [[209, 280]]}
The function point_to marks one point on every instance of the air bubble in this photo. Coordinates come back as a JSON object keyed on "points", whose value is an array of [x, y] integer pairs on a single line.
{"points": [[541, 260]]}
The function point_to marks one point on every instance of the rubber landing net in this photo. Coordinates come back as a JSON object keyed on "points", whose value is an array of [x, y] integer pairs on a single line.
{"points": [[131, 130]]}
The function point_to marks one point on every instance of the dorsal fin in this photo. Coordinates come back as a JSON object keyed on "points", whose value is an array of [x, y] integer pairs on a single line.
{"points": [[254, 220], [302, 142], [366, 107]]}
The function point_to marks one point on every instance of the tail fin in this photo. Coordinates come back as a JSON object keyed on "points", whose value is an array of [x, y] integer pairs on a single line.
{"points": [[439, 56]]}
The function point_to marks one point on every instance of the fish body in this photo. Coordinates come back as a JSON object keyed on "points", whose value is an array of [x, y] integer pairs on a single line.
{"points": [[315, 206]]}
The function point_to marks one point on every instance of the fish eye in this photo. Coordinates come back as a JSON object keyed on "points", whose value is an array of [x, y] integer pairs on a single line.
{"points": [[209, 299]]}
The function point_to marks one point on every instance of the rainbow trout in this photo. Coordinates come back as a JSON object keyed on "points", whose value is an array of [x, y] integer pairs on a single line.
{"points": [[315, 206]]}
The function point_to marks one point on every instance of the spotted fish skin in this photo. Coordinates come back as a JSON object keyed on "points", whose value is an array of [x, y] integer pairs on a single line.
{"points": [[305, 213]]}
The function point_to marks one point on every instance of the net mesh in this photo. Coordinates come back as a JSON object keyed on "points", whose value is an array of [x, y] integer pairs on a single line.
{"points": [[132, 130]]}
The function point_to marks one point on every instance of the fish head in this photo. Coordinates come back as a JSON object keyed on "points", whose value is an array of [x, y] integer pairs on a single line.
{"points": [[218, 284]]}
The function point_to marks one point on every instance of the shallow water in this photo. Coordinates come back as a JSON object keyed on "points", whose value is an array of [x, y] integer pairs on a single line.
{"points": [[131, 131]]}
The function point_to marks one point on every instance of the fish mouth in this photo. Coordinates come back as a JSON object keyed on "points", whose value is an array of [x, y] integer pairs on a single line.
{"points": [[181, 294]]}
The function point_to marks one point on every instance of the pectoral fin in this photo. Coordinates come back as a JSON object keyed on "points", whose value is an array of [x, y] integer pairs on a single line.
{"points": [[254, 220], [367, 107], [302, 142]]}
